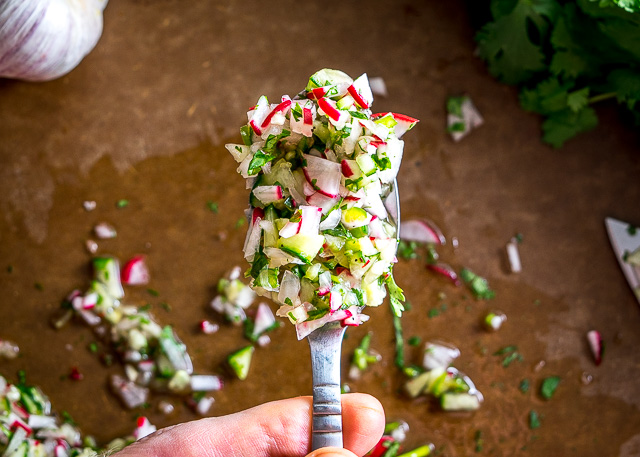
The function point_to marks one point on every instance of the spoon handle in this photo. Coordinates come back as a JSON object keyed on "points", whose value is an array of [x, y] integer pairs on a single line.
{"points": [[325, 344]]}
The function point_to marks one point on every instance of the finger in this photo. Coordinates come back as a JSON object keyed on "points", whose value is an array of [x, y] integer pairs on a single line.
{"points": [[332, 452], [277, 429]]}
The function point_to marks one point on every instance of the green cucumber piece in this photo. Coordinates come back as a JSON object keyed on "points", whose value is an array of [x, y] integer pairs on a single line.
{"points": [[366, 164], [459, 402], [240, 361], [107, 271], [304, 247]]}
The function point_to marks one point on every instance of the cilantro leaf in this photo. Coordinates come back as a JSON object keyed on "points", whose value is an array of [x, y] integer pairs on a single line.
{"points": [[396, 296], [510, 44], [565, 124], [578, 99]]}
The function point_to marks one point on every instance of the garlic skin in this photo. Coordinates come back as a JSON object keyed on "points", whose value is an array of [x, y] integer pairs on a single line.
{"points": [[41, 40]]}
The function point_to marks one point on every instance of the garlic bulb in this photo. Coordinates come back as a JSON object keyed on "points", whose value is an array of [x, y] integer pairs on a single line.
{"points": [[42, 40]]}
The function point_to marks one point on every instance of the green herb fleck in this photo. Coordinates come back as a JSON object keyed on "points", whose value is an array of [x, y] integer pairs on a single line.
{"points": [[477, 284], [433, 312], [67, 419], [93, 347], [122, 203], [479, 441], [240, 222], [632, 229], [524, 386], [38, 286], [549, 386], [414, 341], [166, 306], [153, 292], [534, 420], [9, 268], [213, 207]]}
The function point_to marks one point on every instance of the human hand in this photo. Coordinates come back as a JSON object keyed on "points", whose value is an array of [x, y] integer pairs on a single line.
{"points": [[277, 429]]}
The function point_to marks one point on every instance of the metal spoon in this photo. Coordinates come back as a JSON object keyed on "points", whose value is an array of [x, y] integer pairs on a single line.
{"points": [[326, 345]]}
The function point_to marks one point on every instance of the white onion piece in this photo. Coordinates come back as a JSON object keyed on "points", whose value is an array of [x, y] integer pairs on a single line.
{"points": [[264, 319], [514, 256], [439, 355], [305, 328], [41, 40]]}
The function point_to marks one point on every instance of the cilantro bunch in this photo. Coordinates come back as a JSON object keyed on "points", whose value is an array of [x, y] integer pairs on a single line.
{"points": [[566, 56]]}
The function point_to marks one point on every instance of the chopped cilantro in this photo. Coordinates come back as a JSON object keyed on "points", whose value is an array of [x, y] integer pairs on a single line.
{"points": [[213, 207], [477, 284], [479, 441], [408, 250], [38, 286], [240, 222], [397, 330], [153, 292], [9, 268], [122, 203], [93, 347], [433, 312], [396, 296], [549, 386], [414, 341], [245, 133], [631, 230], [524, 386], [534, 420]]}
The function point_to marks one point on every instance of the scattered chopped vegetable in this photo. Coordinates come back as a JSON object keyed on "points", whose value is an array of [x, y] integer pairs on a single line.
{"points": [[494, 320], [534, 420], [362, 357], [477, 284], [105, 231], [462, 117], [513, 254], [8, 350], [240, 361], [122, 203], [596, 345], [549, 386]]}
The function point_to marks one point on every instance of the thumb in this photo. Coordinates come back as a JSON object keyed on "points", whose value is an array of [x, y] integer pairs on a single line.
{"points": [[331, 452]]}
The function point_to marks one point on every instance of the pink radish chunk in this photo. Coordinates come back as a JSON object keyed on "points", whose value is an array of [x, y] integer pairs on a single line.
{"points": [[135, 272], [421, 231]]}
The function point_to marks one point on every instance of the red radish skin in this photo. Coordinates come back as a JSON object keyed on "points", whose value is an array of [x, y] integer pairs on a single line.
{"points": [[135, 272], [280, 108], [329, 110], [346, 169], [307, 116], [422, 231], [596, 345], [255, 127], [258, 213], [446, 271], [357, 97]]}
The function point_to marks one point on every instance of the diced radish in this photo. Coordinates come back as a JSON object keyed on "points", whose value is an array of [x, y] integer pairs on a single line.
{"points": [[361, 91], [382, 447], [305, 328], [205, 383], [143, 428], [257, 115], [332, 220], [204, 405], [289, 229], [208, 328], [131, 394], [303, 124], [281, 108], [307, 114], [317, 93], [252, 241], [310, 220], [20, 424], [322, 201], [514, 256], [379, 130], [378, 86], [403, 122], [596, 345], [268, 194], [422, 231], [439, 355], [105, 231], [337, 117], [323, 175], [257, 213], [263, 340], [135, 272], [471, 119], [445, 270], [264, 319], [289, 288], [324, 283]]}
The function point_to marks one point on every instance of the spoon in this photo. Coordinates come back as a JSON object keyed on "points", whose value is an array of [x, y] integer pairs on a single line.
{"points": [[325, 344]]}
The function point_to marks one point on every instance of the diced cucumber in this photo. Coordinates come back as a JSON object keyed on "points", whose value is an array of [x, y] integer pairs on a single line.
{"points": [[415, 386], [22, 451], [459, 402], [345, 102], [355, 217], [366, 164], [240, 361], [327, 77], [107, 271], [304, 247]]}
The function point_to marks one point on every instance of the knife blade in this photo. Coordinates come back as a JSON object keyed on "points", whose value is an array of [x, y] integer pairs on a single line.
{"points": [[625, 239]]}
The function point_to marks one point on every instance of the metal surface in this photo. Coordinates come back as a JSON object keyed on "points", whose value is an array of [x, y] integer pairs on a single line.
{"points": [[623, 241], [325, 344], [326, 347]]}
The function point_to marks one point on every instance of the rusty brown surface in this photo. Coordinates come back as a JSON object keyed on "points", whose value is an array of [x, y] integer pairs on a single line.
{"points": [[145, 117]]}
